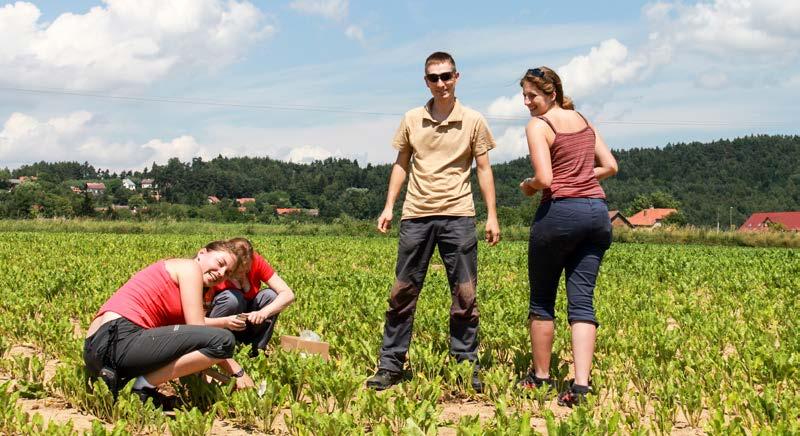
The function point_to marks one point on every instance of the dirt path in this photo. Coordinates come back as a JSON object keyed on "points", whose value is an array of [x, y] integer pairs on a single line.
{"points": [[57, 410]]}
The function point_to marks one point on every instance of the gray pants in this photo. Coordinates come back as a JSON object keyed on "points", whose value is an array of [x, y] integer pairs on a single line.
{"points": [[231, 302], [458, 247]]}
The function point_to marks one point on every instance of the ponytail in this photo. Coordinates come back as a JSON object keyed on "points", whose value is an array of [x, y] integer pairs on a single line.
{"points": [[566, 102]]}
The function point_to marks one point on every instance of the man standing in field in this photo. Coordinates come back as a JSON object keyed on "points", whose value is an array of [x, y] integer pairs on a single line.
{"points": [[439, 141]]}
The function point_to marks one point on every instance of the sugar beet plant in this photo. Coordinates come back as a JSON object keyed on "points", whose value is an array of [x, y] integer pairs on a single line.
{"points": [[691, 337]]}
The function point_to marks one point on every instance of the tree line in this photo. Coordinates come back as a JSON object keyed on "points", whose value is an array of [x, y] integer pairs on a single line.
{"points": [[722, 181]]}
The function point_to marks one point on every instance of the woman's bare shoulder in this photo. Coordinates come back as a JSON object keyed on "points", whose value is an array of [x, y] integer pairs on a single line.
{"points": [[177, 267]]}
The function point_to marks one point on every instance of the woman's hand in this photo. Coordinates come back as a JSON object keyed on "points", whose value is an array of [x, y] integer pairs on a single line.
{"points": [[244, 382], [258, 317], [234, 323], [526, 188]]}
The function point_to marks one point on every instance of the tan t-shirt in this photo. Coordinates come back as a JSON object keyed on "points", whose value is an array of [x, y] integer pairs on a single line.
{"points": [[441, 159]]}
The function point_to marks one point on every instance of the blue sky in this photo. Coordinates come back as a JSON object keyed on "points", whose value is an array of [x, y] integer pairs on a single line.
{"points": [[124, 83]]}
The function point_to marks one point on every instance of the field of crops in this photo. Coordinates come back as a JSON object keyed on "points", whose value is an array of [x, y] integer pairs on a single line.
{"points": [[693, 339]]}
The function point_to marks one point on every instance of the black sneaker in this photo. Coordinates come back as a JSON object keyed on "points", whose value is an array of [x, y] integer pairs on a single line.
{"points": [[477, 384], [574, 395], [159, 400], [532, 382], [384, 379]]}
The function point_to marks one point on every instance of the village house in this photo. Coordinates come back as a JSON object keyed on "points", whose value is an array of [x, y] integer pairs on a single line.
{"points": [[618, 219], [96, 188], [283, 211], [650, 218], [128, 184], [148, 184], [22, 179], [762, 221], [242, 201], [213, 199]]}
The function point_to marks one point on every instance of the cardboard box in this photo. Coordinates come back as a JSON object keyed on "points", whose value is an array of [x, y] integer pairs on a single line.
{"points": [[306, 346]]}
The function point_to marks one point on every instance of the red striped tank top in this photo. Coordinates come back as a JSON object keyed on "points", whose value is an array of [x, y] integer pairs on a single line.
{"points": [[572, 159], [148, 299]]}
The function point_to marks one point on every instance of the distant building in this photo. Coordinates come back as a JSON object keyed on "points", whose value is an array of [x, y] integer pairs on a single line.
{"points": [[618, 219], [283, 211], [148, 184], [245, 200], [21, 180], [96, 188], [76, 189], [212, 199], [287, 211], [650, 218], [761, 221], [128, 184]]}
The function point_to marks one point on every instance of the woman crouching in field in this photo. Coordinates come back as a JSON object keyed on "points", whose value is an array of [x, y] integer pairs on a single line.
{"points": [[239, 304], [571, 230], [153, 328]]}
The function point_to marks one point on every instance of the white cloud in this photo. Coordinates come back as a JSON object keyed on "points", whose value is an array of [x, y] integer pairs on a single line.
{"points": [[124, 42], [605, 65], [307, 154], [508, 107], [366, 140], [330, 9], [723, 26], [25, 139], [512, 144], [354, 32], [183, 147]]}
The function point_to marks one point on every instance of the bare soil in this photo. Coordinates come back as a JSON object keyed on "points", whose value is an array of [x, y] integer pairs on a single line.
{"points": [[57, 410]]}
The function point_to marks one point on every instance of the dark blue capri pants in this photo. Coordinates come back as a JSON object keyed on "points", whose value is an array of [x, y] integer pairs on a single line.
{"points": [[571, 235]]}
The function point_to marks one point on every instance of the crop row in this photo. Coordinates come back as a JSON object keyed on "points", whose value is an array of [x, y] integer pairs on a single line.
{"points": [[697, 338]]}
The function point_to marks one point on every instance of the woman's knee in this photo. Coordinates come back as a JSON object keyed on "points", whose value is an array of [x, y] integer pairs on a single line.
{"points": [[227, 303], [221, 344], [265, 297]]}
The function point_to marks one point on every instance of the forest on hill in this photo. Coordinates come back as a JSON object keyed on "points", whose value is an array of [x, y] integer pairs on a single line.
{"points": [[720, 181]]}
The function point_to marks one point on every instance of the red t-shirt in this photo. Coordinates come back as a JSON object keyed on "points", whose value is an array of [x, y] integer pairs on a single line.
{"points": [[260, 272], [148, 299]]}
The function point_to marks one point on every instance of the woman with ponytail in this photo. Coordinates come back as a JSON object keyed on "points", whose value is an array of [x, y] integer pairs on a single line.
{"points": [[571, 230], [152, 329]]}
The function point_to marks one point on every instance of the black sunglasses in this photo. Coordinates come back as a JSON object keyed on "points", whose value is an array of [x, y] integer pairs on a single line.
{"points": [[536, 72], [445, 77]]}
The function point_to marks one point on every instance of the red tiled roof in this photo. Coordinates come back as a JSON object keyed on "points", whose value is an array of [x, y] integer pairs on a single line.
{"points": [[790, 220], [97, 186], [286, 210], [213, 199], [245, 200], [650, 217]]}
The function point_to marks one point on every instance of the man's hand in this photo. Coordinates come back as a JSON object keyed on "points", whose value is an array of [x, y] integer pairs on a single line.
{"points": [[526, 188], [492, 231], [244, 382], [385, 221]]}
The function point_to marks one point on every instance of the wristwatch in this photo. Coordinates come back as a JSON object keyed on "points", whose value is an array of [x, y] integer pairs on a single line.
{"points": [[238, 374]]}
